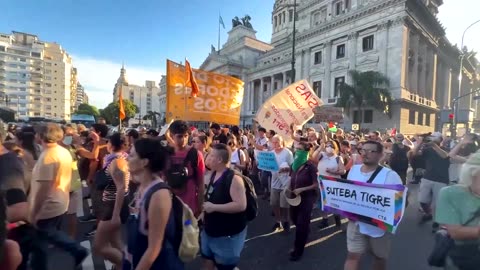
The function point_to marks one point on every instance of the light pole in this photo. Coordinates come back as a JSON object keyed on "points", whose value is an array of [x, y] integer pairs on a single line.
{"points": [[293, 37], [460, 77]]}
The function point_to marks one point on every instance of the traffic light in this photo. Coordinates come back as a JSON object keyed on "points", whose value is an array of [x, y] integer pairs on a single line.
{"points": [[452, 124]]}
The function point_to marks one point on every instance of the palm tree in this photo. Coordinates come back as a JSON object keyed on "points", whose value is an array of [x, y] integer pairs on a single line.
{"points": [[153, 117], [368, 89]]}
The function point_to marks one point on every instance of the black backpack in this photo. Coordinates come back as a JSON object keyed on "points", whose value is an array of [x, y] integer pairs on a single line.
{"points": [[251, 211], [177, 175]]}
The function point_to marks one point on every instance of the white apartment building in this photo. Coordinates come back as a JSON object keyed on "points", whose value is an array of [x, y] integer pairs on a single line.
{"points": [[145, 97], [81, 96], [402, 39], [36, 76]]}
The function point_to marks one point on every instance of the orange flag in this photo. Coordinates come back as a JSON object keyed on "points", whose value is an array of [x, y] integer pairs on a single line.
{"points": [[190, 81], [121, 111]]}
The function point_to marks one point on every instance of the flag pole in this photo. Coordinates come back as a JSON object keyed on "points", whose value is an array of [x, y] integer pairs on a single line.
{"points": [[185, 90], [218, 48]]}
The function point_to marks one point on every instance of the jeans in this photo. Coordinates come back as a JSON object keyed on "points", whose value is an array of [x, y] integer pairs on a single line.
{"points": [[46, 233], [223, 251]]}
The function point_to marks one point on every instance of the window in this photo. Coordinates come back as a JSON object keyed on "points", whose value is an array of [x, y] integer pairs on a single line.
{"points": [[367, 43], [318, 58], [317, 88], [347, 4], [427, 120], [48, 84], [48, 78], [420, 119], [290, 15], [284, 16], [411, 117], [339, 81], [36, 54], [368, 116], [2, 48], [356, 117], [275, 21], [341, 51], [338, 8]]}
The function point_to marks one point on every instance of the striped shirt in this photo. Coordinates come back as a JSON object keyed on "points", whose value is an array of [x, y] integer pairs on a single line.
{"points": [[110, 192]]}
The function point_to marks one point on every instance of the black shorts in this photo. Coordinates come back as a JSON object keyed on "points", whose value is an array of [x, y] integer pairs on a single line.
{"points": [[107, 211]]}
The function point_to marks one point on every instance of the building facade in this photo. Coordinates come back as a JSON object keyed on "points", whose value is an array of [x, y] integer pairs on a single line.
{"points": [[35, 77], [401, 39], [81, 96], [145, 97]]}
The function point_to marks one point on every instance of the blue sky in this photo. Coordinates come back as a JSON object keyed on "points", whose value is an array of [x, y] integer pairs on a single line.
{"points": [[101, 34]]}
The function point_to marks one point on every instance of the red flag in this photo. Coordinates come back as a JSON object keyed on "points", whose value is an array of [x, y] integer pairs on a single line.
{"points": [[190, 81], [121, 110]]}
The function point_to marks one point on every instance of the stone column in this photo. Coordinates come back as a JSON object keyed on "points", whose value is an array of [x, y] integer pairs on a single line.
{"points": [[262, 94], [284, 82], [272, 81], [405, 77], [414, 54], [328, 76], [433, 77], [352, 50], [381, 45]]}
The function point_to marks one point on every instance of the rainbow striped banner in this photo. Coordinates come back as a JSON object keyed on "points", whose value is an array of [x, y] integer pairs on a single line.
{"points": [[378, 205]]}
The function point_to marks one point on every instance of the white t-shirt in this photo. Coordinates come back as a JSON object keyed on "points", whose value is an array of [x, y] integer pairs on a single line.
{"points": [[234, 158], [261, 141], [385, 176], [327, 162], [245, 141], [280, 180]]}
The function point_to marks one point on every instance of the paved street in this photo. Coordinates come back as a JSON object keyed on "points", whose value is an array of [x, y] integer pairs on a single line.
{"points": [[326, 248]]}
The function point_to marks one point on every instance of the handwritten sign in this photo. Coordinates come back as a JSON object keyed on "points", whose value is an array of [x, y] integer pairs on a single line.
{"points": [[382, 206], [294, 104], [267, 161], [328, 114]]}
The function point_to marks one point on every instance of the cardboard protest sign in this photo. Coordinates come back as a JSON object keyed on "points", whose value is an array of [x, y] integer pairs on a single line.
{"points": [[328, 114]]}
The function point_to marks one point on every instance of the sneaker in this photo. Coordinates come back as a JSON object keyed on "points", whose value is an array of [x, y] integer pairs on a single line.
{"points": [[277, 227], [87, 218], [81, 255], [286, 226]]}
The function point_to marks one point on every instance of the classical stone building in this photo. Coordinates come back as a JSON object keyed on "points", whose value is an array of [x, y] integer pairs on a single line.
{"points": [[400, 38]]}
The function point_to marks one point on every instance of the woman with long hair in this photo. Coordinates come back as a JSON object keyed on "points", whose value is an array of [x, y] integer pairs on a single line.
{"points": [[108, 239], [30, 154], [458, 212], [303, 183], [153, 242]]}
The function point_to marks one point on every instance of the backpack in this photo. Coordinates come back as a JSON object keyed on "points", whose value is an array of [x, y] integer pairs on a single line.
{"points": [[186, 241], [177, 175], [251, 211]]}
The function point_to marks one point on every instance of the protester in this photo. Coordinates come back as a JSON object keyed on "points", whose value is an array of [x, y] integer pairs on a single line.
{"points": [[362, 237], [304, 184], [225, 222], [218, 135], [436, 173], [398, 160], [154, 245], [187, 168], [458, 211], [49, 198], [238, 158], [279, 182], [114, 212]]}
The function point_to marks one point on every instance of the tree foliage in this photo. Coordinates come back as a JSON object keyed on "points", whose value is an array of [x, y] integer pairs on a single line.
{"points": [[87, 109], [111, 112], [368, 89], [153, 116]]}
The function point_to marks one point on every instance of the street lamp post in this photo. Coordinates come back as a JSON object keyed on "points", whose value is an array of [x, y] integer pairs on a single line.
{"points": [[460, 77], [293, 41]]}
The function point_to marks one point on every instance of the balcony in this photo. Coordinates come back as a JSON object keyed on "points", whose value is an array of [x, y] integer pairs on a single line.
{"points": [[414, 98]]}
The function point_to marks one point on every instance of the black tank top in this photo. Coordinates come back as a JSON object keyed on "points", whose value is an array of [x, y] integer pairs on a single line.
{"points": [[222, 224]]}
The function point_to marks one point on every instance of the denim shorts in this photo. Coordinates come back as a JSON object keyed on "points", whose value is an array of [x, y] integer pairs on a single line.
{"points": [[223, 250]]}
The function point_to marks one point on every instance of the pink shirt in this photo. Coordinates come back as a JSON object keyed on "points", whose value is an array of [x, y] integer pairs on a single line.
{"points": [[190, 195]]}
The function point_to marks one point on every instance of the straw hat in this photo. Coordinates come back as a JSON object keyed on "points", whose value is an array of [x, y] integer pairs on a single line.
{"points": [[291, 198]]}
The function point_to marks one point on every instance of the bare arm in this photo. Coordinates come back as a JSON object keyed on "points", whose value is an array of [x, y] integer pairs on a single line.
{"points": [[454, 152], [119, 173], [239, 200], [459, 232], [158, 215]]}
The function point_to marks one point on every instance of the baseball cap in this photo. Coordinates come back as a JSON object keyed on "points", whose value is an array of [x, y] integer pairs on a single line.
{"points": [[437, 135]]}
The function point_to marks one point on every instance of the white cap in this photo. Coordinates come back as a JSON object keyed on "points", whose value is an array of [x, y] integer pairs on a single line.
{"points": [[437, 135]]}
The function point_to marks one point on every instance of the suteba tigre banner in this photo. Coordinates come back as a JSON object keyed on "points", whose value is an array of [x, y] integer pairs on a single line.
{"points": [[294, 104], [219, 100], [380, 205]]}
